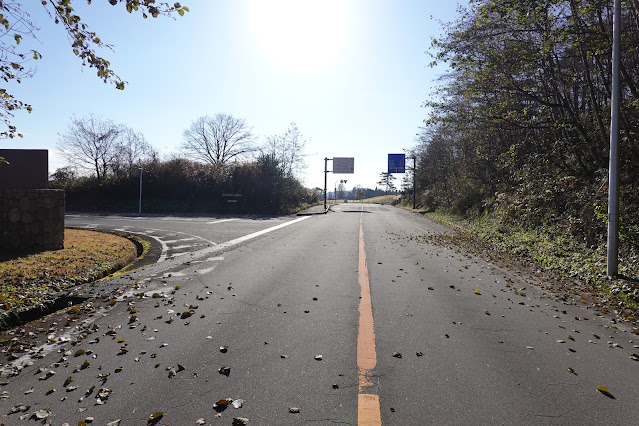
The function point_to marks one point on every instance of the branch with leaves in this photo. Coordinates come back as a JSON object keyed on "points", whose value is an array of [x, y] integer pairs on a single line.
{"points": [[16, 25]]}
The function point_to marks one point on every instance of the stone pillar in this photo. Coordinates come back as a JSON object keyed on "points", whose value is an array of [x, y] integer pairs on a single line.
{"points": [[31, 220]]}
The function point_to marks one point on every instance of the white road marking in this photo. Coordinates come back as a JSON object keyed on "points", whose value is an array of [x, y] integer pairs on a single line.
{"points": [[165, 248], [222, 220], [181, 239], [180, 247], [262, 232]]}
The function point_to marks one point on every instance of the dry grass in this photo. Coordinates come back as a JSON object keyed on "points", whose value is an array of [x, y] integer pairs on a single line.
{"points": [[382, 199], [33, 280]]}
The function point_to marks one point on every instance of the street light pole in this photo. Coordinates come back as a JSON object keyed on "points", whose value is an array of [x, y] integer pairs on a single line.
{"points": [[613, 168], [140, 202]]}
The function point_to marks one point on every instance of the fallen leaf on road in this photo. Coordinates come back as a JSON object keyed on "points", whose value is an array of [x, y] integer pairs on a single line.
{"points": [[224, 370], [293, 410], [20, 408], [155, 417], [603, 390], [397, 355], [114, 423], [240, 421], [237, 403], [47, 375], [224, 349], [487, 312], [476, 291], [103, 394], [41, 414], [318, 357], [200, 421], [572, 370], [431, 288], [560, 341], [222, 404]]}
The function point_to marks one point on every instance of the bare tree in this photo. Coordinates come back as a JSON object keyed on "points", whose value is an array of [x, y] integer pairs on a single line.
{"points": [[90, 143], [131, 150], [288, 149], [218, 140]]}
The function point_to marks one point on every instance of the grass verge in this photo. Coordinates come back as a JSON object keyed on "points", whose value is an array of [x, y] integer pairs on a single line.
{"points": [[35, 280], [560, 253]]}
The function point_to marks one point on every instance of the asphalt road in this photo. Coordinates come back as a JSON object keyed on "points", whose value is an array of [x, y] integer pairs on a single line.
{"points": [[366, 314]]}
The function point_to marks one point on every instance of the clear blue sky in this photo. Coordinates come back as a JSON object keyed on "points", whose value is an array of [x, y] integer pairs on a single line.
{"points": [[353, 75]]}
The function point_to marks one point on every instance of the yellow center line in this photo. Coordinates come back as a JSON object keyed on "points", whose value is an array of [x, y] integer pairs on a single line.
{"points": [[368, 408]]}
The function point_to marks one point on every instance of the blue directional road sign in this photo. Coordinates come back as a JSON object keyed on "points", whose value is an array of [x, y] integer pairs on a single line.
{"points": [[396, 163]]}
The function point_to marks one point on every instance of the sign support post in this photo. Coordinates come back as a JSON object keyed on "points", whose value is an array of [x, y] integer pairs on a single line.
{"points": [[340, 165]]}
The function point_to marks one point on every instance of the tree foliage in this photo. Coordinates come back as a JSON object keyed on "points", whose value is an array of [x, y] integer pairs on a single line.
{"points": [[15, 58], [386, 180], [521, 121]]}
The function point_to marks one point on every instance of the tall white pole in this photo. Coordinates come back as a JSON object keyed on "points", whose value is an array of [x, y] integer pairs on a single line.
{"points": [[140, 203], [613, 169]]}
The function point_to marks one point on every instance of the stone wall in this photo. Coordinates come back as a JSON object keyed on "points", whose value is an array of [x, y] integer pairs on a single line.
{"points": [[31, 220]]}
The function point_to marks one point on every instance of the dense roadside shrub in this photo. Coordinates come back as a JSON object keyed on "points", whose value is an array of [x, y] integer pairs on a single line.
{"points": [[183, 186]]}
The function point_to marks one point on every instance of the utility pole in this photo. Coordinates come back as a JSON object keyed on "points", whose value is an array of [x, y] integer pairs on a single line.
{"points": [[613, 168]]}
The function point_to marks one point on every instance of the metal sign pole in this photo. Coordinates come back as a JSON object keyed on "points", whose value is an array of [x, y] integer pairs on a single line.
{"points": [[325, 183]]}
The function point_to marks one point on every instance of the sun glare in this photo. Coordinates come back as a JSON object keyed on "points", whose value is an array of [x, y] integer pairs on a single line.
{"points": [[300, 36]]}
